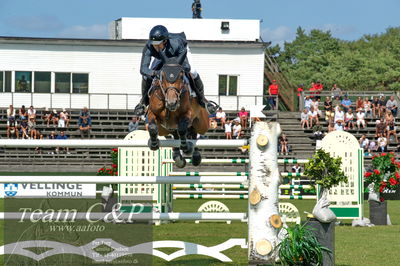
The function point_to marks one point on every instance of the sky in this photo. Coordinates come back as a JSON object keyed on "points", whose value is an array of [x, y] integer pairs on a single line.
{"points": [[346, 19]]}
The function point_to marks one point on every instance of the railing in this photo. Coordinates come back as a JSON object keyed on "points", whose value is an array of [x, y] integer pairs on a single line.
{"points": [[113, 101], [351, 94]]}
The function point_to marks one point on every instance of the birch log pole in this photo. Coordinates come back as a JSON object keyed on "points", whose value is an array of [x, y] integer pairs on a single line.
{"points": [[264, 180]]}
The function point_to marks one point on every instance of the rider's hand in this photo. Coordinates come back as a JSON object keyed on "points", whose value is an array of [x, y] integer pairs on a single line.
{"points": [[156, 73]]}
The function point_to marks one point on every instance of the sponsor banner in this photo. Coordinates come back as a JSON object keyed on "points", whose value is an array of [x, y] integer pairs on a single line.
{"points": [[35, 190]]}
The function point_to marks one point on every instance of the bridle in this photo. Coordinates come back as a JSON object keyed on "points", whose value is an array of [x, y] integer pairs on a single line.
{"points": [[178, 91]]}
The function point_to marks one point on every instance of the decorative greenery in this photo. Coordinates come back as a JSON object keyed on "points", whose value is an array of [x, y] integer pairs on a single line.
{"points": [[325, 170], [300, 247], [113, 170], [385, 173]]}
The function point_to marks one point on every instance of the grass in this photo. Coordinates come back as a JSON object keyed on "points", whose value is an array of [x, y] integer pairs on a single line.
{"points": [[378, 245]]}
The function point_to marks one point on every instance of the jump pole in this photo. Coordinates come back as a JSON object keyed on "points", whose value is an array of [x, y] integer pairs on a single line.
{"points": [[206, 186]]}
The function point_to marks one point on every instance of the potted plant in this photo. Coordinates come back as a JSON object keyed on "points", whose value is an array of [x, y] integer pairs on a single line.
{"points": [[300, 247], [383, 175]]}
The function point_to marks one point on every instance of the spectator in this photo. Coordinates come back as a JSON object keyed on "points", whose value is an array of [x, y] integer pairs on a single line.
{"points": [[273, 91], [382, 143], [32, 127], [380, 128], [372, 147], [318, 89], [364, 142], [133, 124], [367, 107], [52, 136], [62, 135], [359, 103], [391, 130], [32, 113], [336, 103], [84, 128], [360, 118], [349, 120], [220, 117], [312, 90], [47, 116], [338, 125], [11, 112], [339, 115], [296, 168], [336, 91], [331, 126], [313, 116], [39, 149], [55, 118], [317, 132], [283, 143], [244, 116], [24, 129], [237, 130], [376, 111], [315, 104], [391, 105], [300, 90], [329, 114], [307, 103], [23, 115], [85, 114], [382, 104], [346, 103], [228, 129], [304, 119], [389, 116], [211, 121], [64, 115], [12, 128]]}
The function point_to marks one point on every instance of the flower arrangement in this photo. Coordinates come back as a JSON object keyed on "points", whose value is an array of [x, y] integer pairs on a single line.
{"points": [[113, 170], [385, 173]]}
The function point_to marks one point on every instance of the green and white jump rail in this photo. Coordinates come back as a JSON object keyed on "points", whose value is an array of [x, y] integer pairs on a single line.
{"points": [[239, 161], [241, 196], [232, 186], [208, 173]]}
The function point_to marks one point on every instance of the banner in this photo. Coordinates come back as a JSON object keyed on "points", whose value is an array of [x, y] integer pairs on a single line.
{"points": [[35, 190]]}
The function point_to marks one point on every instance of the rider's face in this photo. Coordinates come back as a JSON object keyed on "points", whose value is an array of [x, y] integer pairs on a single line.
{"points": [[159, 47]]}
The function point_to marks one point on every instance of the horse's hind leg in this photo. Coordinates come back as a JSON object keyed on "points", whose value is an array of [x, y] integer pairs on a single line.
{"points": [[180, 162], [186, 147], [154, 142], [196, 156]]}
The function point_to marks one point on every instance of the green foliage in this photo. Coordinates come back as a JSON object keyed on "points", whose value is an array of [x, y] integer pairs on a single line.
{"points": [[300, 247], [370, 63], [325, 170]]}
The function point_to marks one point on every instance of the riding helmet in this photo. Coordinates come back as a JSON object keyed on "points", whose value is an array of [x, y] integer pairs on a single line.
{"points": [[158, 34]]}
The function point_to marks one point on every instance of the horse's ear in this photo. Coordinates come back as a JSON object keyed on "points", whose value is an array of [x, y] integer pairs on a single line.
{"points": [[163, 57], [182, 58]]}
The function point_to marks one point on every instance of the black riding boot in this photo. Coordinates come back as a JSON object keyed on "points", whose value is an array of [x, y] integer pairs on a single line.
{"points": [[211, 107], [140, 108]]}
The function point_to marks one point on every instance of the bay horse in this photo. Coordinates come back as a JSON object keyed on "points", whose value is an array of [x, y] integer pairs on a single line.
{"points": [[172, 110]]}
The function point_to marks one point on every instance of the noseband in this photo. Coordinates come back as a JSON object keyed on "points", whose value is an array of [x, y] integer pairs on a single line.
{"points": [[173, 76]]}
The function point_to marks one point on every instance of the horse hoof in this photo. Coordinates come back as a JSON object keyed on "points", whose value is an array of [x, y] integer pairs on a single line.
{"points": [[196, 158], [154, 145], [188, 150], [180, 162]]}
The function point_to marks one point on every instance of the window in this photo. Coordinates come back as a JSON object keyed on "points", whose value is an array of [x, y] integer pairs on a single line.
{"points": [[1, 81], [227, 85], [42, 82], [7, 81], [63, 83], [23, 81], [80, 83]]}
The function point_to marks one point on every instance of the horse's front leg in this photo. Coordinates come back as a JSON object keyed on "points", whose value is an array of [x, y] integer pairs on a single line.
{"points": [[184, 123], [154, 142]]}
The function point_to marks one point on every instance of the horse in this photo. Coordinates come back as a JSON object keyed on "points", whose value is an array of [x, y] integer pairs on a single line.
{"points": [[172, 110]]}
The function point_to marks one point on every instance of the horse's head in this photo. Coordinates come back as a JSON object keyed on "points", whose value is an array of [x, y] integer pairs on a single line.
{"points": [[172, 81]]}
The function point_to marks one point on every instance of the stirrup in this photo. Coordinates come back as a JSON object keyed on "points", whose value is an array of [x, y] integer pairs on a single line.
{"points": [[139, 109], [211, 107]]}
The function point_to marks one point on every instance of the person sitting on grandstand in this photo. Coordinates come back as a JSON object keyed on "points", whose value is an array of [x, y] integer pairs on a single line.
{"points": [[84, 128], [349, 120], [32, 127], [372, 147], [359, 103], [364, 142], [12, 128], [283, 144], [338, 125], [32, 114], [23, 114], [24, 130], [133, 124], [336, 103], [367, 107], [329, 114], [315, 104], [382, 143], [391, 105], [376, 110], [47, 116], [85, 114], [346, 103], [339, 115], [172, 45], [389, 117], [62, 135], [228, 129], [391, 130], [307, 103], [360, 118], [64, 115], [382, 104], [55, 117], [244, 116], [11, 112], [237, 130], [220, 117], [313, 117], [380, 128], [304, 119], [336, 91], [211, 120]]}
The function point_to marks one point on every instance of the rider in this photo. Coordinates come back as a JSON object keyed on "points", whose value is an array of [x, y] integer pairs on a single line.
{"points": [[173, 45]]}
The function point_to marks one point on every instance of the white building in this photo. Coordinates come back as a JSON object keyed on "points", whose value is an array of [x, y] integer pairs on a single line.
{"points": [[71, 73]]}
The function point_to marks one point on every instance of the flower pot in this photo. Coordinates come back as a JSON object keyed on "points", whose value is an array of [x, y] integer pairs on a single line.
{"points": [[378, 212], [325, 234], [372, 194]]}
